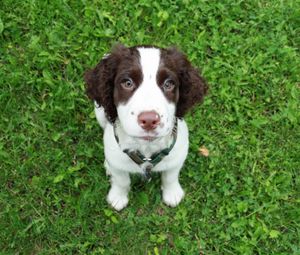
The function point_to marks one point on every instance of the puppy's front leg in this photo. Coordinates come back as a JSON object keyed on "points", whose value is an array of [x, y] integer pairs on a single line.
{"points": [[120, 185], [171, 189]]}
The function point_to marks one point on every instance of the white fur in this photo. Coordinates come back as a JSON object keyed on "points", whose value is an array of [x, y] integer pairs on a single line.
{"points": [[147, 97]]}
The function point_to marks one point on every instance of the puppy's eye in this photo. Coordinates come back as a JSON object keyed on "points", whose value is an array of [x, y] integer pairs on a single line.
{"points": [[127, 84], [168, 85]]}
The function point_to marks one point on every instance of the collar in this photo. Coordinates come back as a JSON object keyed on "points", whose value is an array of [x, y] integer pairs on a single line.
{"points": [[147, 163]]}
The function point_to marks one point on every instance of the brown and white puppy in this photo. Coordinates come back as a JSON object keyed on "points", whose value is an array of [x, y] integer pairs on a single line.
{"points": [[141, 95]]}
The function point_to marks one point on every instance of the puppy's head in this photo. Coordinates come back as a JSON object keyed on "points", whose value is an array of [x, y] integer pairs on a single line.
{"points": [[145, 88]]}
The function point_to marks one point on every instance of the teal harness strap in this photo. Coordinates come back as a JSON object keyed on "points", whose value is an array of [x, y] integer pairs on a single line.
{"points": [[138, 158]]}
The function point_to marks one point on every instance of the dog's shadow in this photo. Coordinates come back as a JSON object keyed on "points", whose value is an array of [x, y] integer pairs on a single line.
{"points": [[145, 194], [141, 183]]}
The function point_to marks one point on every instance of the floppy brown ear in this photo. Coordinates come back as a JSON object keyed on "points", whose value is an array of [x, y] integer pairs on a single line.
{"points": [[193, 86], [192, 90], [100, 82]]}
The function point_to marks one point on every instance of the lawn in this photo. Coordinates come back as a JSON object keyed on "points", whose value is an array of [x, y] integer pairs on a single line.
{"points": [[243, 198]]}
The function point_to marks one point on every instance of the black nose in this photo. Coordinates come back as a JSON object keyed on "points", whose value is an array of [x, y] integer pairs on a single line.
{"points": [[148, 120]]}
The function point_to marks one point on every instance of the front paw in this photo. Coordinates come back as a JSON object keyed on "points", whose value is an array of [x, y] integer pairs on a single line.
{"points": [[173, 195], [117, 200]]}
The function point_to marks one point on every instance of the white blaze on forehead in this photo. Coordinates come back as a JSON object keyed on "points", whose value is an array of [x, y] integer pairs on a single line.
{"points": [[149, 60], [147, 97]]}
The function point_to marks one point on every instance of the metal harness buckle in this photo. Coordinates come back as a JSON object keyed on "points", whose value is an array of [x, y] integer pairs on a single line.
{"points": [[147, 169]]}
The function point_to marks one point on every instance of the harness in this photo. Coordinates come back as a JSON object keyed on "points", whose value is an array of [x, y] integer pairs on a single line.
{"points": [[148, 163]]}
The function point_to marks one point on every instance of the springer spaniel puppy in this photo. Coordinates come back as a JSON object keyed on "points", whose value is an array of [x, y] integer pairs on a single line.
{"points": [[141, 95]]}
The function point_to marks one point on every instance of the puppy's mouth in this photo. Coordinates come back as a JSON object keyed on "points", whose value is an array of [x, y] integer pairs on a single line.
{"points": [[153, 135], [149, 138]]}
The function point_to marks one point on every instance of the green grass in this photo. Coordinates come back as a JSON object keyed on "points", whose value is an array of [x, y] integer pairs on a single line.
{"points": [[242, 199]]}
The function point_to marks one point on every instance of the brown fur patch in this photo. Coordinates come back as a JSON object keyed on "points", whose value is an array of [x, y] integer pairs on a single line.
{"points": [[103, 82], [192, 87], [162, 75]]}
